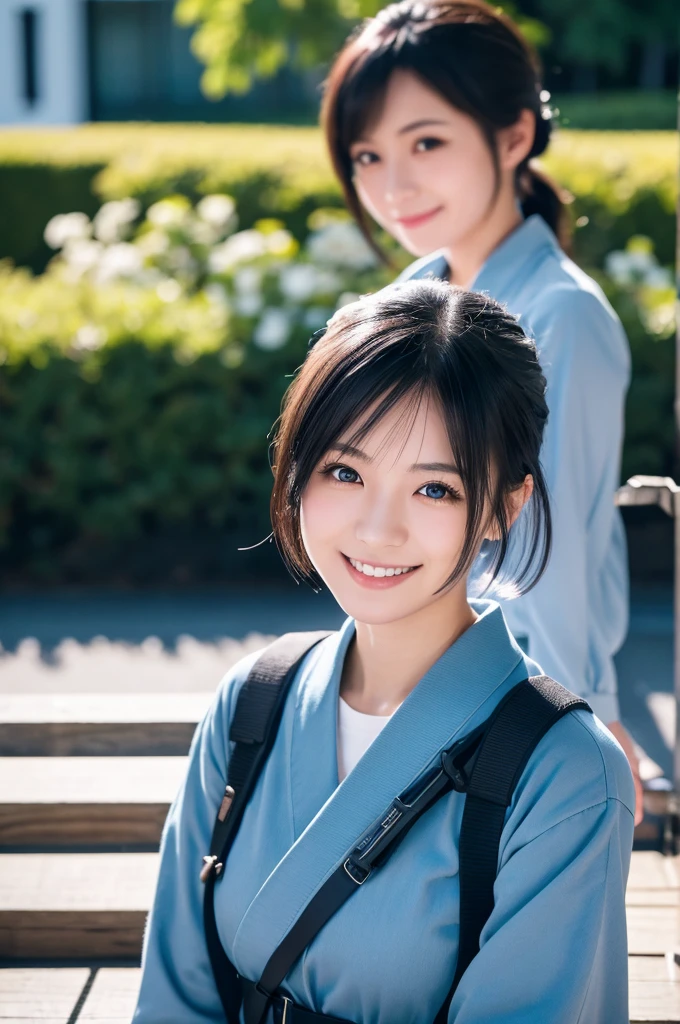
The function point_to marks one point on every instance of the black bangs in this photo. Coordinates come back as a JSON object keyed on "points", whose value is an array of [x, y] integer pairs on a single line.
{"points": [[414, 342]]}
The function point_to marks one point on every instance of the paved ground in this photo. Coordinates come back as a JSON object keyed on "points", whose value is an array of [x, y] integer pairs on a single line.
{"points": [[101, 641]]}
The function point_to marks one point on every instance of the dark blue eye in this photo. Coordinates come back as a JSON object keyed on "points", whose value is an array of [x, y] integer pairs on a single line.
{"points": [[435, 491], [345, 475]]}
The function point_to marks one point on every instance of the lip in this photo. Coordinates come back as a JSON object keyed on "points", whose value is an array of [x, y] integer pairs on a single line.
{"points": [[419, 218], [377, 582]]}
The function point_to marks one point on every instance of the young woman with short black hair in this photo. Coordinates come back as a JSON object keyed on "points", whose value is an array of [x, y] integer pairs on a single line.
{"points": [[410, 438]]}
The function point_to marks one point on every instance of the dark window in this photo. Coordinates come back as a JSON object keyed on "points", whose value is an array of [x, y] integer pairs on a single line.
{"points": [[28, 20]]}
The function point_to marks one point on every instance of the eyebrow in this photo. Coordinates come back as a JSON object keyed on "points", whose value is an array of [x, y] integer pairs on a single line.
{"points": [[425, 122], [417, 467]]}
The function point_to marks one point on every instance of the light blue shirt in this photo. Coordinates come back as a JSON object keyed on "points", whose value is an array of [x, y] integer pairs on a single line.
{"points": [[554, 948], [576, 618]]}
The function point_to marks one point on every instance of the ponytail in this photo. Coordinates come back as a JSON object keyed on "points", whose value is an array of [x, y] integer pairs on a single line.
{"points": [[539, 193]]}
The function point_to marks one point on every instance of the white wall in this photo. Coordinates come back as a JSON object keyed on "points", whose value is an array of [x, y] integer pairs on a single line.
{"points": [[61, 63]]}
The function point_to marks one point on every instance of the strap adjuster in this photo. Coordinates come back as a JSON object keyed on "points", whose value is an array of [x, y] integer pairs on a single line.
{"points": [[210, 864], [356, 872]]}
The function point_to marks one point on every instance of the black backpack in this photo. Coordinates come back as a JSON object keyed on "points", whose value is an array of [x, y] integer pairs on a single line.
{"points": [[486, 765]]}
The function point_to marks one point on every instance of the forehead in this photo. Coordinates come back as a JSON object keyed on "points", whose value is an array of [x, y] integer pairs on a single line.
{"points": [[407, 99], [414, 430]]}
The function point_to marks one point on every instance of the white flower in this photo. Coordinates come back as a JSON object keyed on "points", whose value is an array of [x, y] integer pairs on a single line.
{"points": [[248, 280], [640, 261], [316, 317], [66, 227], [659, 277], [279, 242], [204, 234], [298, 282], [168, 213], [112, 219], [346, 298], [80, 255], [168, 290], [217, 294], [181, 260], [153, 243], [248, 303], [341, 244], [218, 211], [120, 260], [241, 247], [327, 281], [273, 330], [88, 338]]}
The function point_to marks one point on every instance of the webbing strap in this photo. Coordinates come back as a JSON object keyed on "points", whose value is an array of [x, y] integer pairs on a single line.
{"points": [[253, 731], [521, 720]]}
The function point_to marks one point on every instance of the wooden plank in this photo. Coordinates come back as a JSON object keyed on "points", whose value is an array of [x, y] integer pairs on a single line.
{"points": [[653, 898], [97, 724], [651, 870], [654, 990], [652, 930], [113, 996], [70, 800], [75, 905], [47, 995]]}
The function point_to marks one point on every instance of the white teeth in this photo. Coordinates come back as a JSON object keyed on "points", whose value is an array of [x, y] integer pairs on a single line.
{"points": [[378, 570]]}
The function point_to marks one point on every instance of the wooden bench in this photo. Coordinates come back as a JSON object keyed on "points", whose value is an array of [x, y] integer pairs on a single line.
{"points": [[62, 801], [94, 724], [74, 905]]}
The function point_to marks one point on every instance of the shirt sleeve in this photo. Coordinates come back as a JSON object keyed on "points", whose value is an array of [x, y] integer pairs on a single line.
{"points": [[177, 982], [555, 944], [576, 616]]}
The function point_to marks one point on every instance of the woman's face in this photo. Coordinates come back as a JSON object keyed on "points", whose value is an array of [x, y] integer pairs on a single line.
{"points": [[384, 524], [424, 170]]}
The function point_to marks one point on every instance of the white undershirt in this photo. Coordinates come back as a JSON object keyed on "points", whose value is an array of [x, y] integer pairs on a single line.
{"points": [[356, 732]]}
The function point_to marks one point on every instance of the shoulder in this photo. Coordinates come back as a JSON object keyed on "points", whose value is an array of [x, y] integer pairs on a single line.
{"points": [[577, 765], [434, 265], [564, 304], [214, 729]]}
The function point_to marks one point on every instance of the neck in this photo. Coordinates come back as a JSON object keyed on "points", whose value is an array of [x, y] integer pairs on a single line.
{"points": [[467, 257], [385, 662]]}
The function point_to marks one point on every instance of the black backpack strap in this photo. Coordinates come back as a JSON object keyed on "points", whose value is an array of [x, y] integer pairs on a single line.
{"points": [[253, 730], [520, 721]]}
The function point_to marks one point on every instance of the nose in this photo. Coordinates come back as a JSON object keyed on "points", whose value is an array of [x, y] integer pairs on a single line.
{"points": [[399, 183], [380, 524]]}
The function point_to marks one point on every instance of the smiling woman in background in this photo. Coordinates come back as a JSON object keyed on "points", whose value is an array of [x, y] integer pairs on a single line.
{"points": [[432, 114]]}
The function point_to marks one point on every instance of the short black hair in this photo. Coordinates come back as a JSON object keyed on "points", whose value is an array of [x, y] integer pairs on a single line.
{"points": [[424, 339]]}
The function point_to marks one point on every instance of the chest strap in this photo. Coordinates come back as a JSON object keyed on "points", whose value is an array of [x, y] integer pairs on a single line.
{"points": [[486, 765]]}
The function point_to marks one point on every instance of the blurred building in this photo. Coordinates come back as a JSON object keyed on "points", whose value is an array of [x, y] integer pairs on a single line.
{"points": [[64, 61]]}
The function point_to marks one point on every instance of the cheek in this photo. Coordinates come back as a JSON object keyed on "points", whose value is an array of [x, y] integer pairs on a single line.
{"points": [[441, 532], [322, 517], [371, 192]]}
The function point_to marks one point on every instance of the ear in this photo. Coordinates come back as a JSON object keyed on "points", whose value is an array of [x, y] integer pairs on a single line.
{"points": [[514, 142], [515, 502]]}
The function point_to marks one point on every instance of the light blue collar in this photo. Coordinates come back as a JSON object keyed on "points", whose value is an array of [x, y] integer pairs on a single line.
{"points": [[527, 244]]}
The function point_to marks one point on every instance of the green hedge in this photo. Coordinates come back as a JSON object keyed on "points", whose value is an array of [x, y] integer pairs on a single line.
{"points": [[146, 459], [624, 183]]}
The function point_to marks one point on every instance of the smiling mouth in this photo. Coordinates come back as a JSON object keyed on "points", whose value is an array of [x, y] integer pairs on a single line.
{"points": [[418, 218], [380, 570]]}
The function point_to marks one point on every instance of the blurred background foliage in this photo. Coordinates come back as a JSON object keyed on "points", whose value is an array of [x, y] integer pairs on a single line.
{"points": [[142, 366], [141, 372]]}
